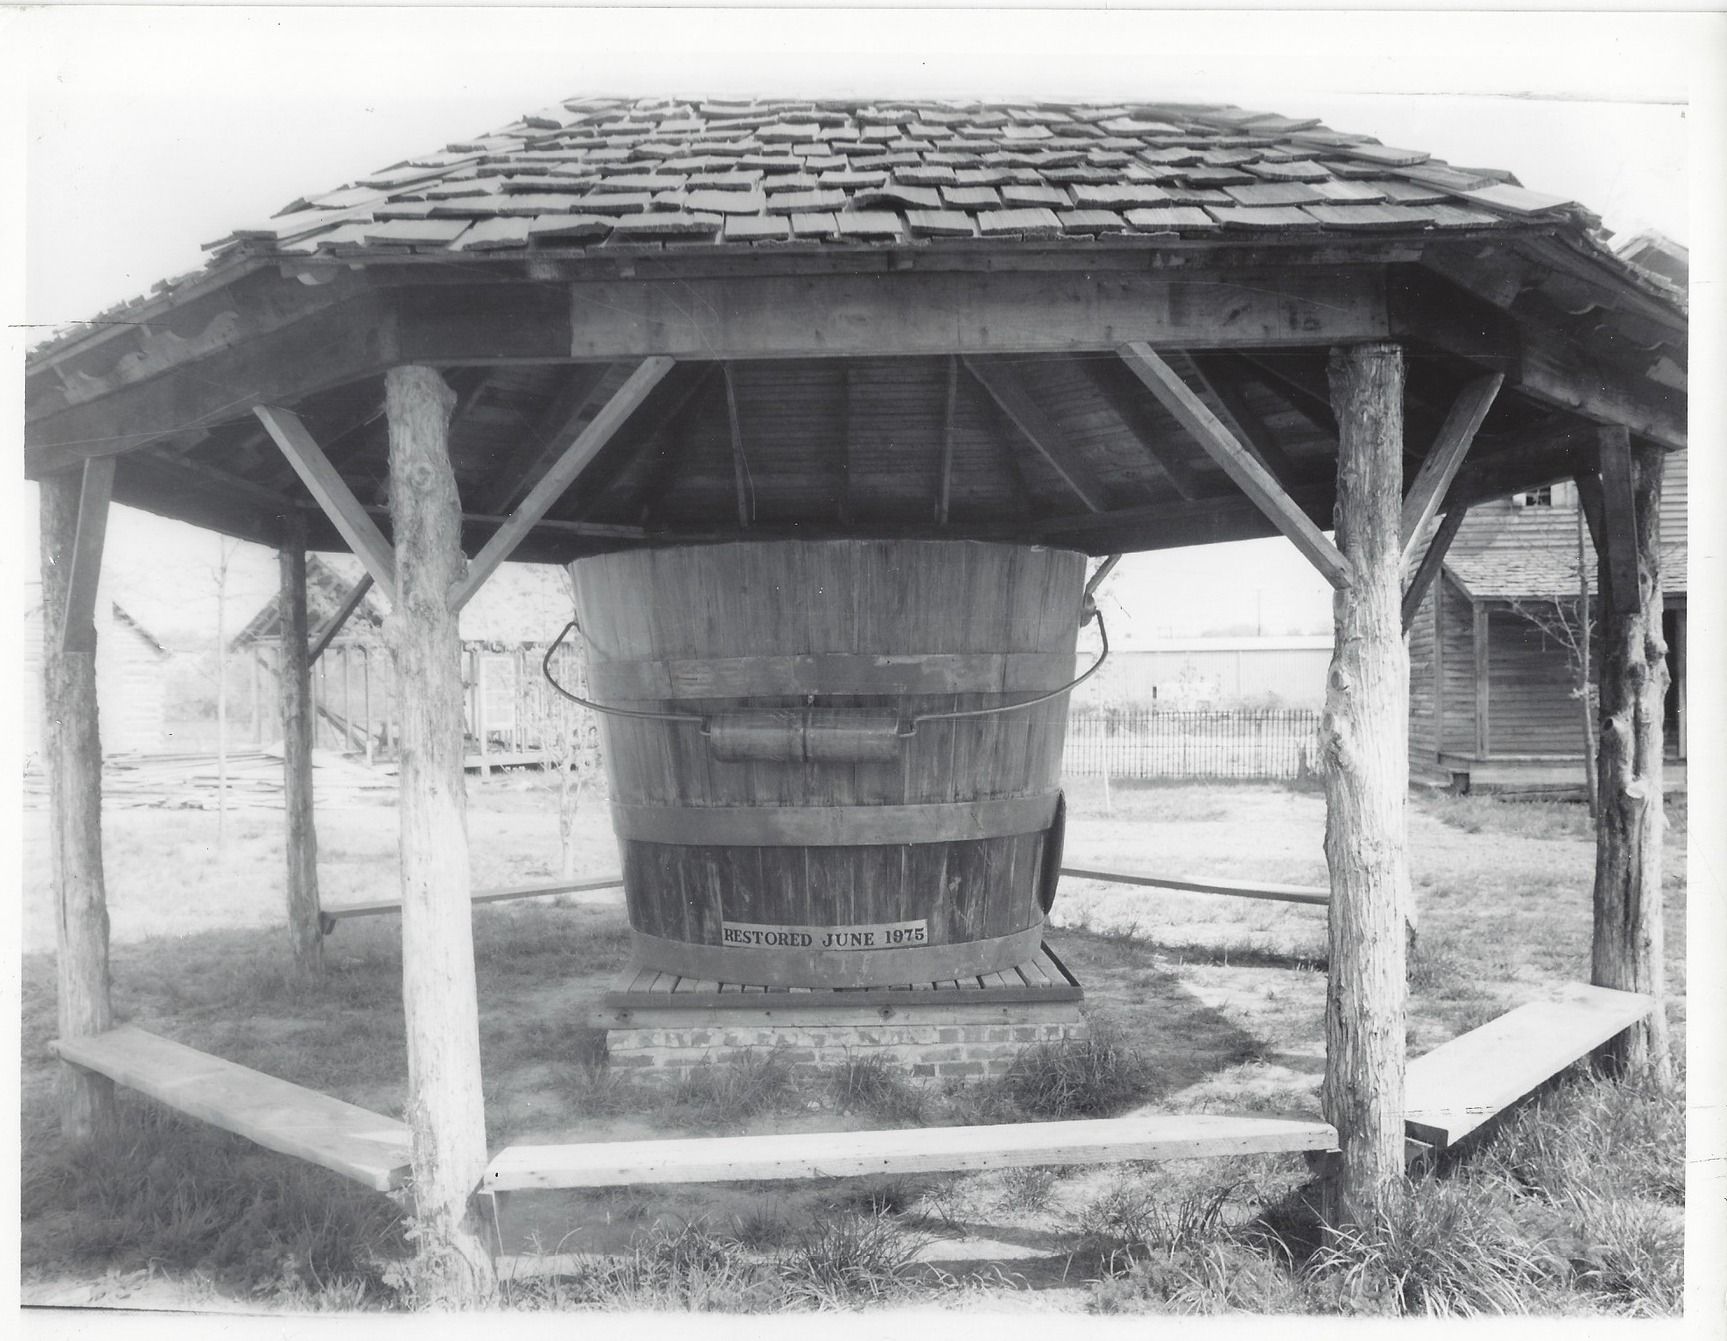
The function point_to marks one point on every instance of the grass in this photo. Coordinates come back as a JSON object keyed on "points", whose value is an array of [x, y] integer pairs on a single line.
{"points": [[1093, 1078], [1196, 1004], [174, 1194], [873, 1087], [851, 1261]]}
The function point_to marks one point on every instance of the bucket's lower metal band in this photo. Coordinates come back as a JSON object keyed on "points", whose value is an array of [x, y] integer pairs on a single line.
{"points": [[838, 968], [833, 826]]}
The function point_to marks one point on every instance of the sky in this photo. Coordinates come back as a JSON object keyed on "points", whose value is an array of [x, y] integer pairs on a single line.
{"points": [[149, 131]]}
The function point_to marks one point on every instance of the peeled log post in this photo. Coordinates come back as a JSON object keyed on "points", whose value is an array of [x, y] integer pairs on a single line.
{"points": [[1627, 948], [74, 762], [295, 680], [1365, 754], [445, 1108]]}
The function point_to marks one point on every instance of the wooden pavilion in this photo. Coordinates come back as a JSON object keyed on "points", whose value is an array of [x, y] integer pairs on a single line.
{"points": [[623, 325]]}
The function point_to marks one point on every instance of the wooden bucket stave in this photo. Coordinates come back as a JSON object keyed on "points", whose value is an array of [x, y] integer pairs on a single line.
{"points": [[955, 820]]}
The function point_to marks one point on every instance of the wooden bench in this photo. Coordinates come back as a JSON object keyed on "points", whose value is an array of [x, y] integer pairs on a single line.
{"points": [[850, 1154], [329, 916], [278, 1115], [1240, 889], [1460, 1085]]}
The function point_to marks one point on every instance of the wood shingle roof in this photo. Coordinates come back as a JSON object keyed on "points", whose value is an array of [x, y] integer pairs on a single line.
{"points": [[659, 172]]}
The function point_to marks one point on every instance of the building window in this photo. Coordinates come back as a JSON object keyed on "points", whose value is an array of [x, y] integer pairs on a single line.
{"points": [[1535, 498]]}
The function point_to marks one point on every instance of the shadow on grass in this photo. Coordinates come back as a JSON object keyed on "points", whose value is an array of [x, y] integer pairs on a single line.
{"points": [[1181, 1040]]}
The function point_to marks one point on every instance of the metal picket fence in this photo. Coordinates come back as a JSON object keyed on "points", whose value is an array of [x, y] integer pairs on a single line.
{"points": [[1221, 743]]}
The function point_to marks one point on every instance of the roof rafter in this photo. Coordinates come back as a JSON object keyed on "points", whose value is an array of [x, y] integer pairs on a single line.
{"points": [[1049, 439], [1238, 416], [564, 472], [1116, 385], [539, 448]]}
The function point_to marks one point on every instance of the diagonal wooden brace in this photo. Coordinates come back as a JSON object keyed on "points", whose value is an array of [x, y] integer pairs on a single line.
{"points": [[1462, 422], [344, 612], [574, 459], [1431, 562], [1237, 462], [334, 496], [78, 625]]}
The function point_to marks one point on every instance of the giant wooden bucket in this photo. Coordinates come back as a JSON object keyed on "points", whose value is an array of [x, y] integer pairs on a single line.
{"points": [[778, 826]]}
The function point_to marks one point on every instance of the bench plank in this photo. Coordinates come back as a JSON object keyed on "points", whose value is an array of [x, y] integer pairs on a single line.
{"points": [[1462, 1084], [729, 1159], [276, 1114], [539, 889]]}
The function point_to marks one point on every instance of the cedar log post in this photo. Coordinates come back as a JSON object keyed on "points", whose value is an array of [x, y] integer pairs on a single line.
{"points": [[297, 723], [73, 756], [1627, 951], [1366, 765], [445, 1108]]}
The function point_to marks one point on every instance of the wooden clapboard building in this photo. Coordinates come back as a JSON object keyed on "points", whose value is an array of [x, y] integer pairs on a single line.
{"points": [[131, 682], [505, 631], [1492, 681], [826, 403], [1494, 650]]}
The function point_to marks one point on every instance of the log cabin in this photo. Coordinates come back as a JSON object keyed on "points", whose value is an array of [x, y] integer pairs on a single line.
{"points": [[772, 375]]}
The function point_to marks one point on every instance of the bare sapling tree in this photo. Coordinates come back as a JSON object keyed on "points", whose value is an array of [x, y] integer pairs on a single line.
{"points": [[225, 549], [1567, 619]]}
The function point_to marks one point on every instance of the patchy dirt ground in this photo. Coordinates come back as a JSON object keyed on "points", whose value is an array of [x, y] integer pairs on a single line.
{"points": [[1223, 998]]}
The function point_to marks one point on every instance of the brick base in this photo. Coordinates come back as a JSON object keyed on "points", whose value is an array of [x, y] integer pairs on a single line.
{"points": [[930, 1046]]}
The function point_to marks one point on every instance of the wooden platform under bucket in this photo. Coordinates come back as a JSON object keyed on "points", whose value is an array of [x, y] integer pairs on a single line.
{"points": [[643, 994], [659, 1025]]}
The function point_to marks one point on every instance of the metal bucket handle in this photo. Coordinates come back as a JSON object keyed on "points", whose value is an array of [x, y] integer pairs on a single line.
{"points": [[906, 726]]}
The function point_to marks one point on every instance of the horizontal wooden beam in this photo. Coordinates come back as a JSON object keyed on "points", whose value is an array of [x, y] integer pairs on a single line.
{"points": [[1220, 444], [332, 345], [538, 890], [840, 1154], [562, 474], [1171, 525], [334, 496], [1525, 462], [908, 313], [1421, 502], [1539, 361], [1240, 889]]}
